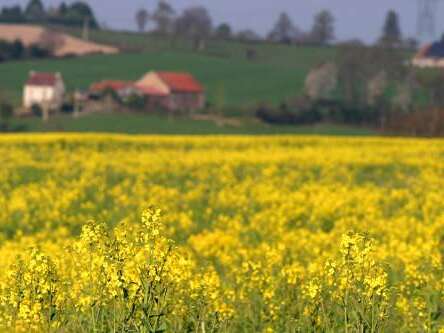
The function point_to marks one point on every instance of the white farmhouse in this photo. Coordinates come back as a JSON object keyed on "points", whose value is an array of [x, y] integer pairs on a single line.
{"points": [[45, 90]]}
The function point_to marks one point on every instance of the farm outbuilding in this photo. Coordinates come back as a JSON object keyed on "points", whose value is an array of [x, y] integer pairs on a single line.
{"points": [[121, 88], [173, 91]]}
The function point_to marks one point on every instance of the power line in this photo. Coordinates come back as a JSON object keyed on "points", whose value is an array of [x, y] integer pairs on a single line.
{"points": [[427, 18]]}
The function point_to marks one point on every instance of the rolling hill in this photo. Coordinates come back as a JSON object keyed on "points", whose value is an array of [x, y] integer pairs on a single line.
{"points": [[277, 72], [69, 45], [234, 82]]}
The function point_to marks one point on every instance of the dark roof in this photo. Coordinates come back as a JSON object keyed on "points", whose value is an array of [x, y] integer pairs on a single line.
{"points": [[181, 82], [42, 79], [434, 50]]}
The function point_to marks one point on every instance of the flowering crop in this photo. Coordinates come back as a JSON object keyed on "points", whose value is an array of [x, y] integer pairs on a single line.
{"points": [[102, 233]]}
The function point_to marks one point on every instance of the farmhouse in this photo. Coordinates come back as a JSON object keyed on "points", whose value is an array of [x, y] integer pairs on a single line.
{"points": [[172, 91], [45, 90], [430, 56]]}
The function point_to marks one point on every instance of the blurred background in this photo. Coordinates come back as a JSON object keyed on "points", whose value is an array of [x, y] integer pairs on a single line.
{"points": [[190, 67]]}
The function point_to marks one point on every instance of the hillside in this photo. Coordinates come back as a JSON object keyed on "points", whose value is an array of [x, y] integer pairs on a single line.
{"points": [[277, 72], [69, 45]]}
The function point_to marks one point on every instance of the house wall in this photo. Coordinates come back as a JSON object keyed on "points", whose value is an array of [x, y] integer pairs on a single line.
{"points": [[184, 101], [152, 80], [428, 63], [44, 94], [172, 101]]}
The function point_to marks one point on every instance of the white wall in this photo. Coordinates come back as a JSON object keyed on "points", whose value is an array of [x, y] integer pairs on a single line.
{"points": [[44, 95]]}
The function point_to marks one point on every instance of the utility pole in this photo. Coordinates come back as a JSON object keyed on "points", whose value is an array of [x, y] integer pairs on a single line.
{"points": [[427, 10], [85, 34]]}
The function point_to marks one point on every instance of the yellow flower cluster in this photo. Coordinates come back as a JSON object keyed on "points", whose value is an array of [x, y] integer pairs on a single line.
{"points": [[241, 234]]}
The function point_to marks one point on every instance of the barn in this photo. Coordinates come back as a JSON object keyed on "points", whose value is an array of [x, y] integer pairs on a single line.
{"points": [[173, 91]]}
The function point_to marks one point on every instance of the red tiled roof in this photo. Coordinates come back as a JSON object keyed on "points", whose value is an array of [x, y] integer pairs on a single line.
{"points": [[110, 84], [42, 79], [181, 82]]}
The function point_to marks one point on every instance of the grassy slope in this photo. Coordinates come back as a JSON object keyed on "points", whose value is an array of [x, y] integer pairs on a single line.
{"points": [[277, 73], [153, 124]]}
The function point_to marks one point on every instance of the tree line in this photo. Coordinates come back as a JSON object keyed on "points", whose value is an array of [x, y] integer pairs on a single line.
{"points": [[16, 50], [75, 14], [195, 22], [370, 85], [367, 86]]}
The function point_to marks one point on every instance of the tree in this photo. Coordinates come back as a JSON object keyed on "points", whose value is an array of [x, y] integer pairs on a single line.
{"points": [[63, 9], [248, 35], [376, 88], [12, 14], [142, 17], [195, 23], [284, 31], [433, 84], [11, 50], [79, 12], [323, 30], [353, 72], [402, 101], [6, 113], [51, 41], [357, 63], [391, 31], [321, 81], [17, 49], [35, 10], [223, 31], [163, 17]]}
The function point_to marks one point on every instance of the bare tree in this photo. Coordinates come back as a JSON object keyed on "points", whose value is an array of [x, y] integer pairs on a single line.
{"points": [[353, 72], [376, 88], [195, 23], [358, 63], [323, 30], [142, 17], [321, 81], [284, 30], [248, 35], [163, 16], [403, 99]]}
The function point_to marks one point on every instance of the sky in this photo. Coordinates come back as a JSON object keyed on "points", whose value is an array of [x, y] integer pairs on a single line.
{"points": [[354, 18]]}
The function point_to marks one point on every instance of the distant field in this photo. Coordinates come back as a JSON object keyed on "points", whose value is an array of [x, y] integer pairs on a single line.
{"points": [[155, 124], [276, 74]]}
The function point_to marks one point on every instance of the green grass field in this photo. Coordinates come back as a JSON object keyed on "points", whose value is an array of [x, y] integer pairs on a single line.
{"points": [[156, 124], [278, 72]]}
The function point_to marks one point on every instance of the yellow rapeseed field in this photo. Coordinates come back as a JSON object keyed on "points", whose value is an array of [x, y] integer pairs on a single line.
{"points": [[102, 233]]}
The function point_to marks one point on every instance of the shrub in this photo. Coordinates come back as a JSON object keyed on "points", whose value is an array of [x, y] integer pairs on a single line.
{"points": [[135, 102], [36, 110], [426, 123], [6, 113]]}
